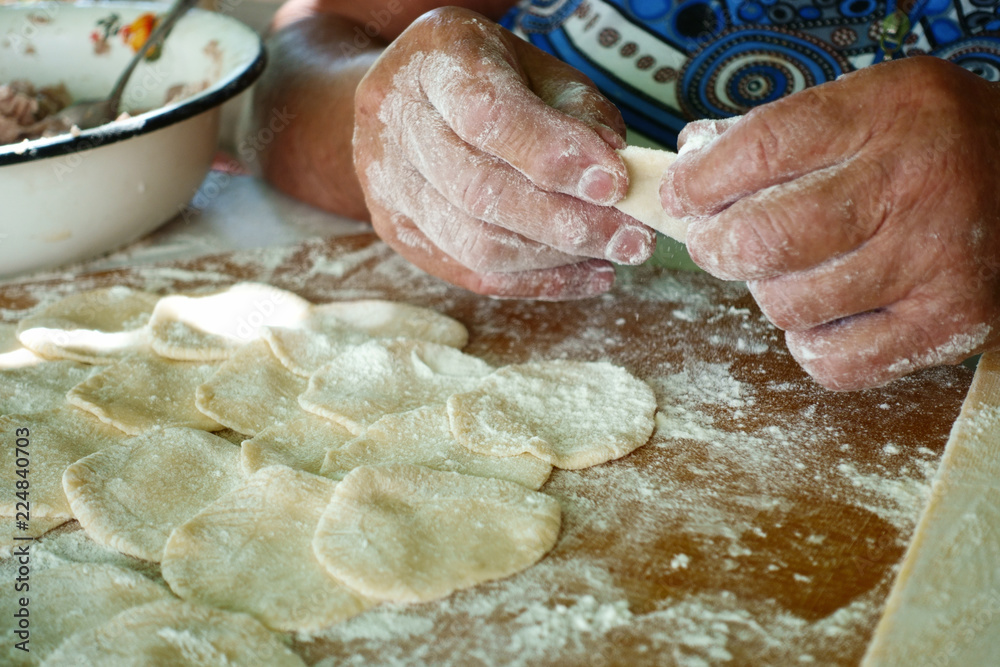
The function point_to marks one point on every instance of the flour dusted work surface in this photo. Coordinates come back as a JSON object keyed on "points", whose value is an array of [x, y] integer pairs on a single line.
{"points": [[760, 525]]}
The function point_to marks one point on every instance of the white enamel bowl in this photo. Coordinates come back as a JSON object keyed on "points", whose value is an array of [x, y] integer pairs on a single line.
{"points": [[67, 198]]}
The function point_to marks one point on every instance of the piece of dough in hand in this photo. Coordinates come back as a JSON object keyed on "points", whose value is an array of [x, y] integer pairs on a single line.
{"points": [[573, 414], [405, 533], [646, 167]]}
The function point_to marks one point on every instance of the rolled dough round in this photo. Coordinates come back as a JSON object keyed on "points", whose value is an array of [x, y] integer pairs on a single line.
{"points": [[94, 327], [146, 391], [251, 551], [423, 437], [572, 414], [331, 328], [132, 496], [251, 391], [57, 438], [300, 444], [69, 599], [175, 634], [405, 533], [212, 327], [385, 377]]}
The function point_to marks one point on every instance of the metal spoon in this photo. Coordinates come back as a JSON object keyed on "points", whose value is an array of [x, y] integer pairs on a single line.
{"points": [[91, 113]]}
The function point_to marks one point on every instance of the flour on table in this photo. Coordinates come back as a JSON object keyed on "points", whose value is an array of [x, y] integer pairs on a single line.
{"points": [[405, 533], [131, 497], [175, 633], [73, 598], [385, 377], [300, 444], [58, 438], [146, 391], [92, 327], [330, 328], [251, 551], [251, 391], [423, 437], [646, 167], [213, 327], [569, 413]]}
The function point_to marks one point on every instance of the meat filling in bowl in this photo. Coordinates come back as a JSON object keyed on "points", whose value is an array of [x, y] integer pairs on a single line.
{"points": [[27, 112]]}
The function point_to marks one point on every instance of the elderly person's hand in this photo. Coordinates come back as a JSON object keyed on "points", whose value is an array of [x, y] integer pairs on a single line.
{"points": [[864, 214], [491, 164]]}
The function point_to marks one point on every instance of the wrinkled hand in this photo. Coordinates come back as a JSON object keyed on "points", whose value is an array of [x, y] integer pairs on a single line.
{"points": [[864, 214], [490, 164]]}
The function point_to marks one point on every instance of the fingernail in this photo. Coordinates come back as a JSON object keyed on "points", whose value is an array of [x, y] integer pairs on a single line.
{"points": [[598, 185], [669, 197], [630, 245]]}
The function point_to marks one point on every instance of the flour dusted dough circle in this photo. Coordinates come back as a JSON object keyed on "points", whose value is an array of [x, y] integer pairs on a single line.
{"points": [[331, 328], [145, 391], [68, 599], [251, 391], [57, 439], [212, 327], [405, 533], [251, 551], [132, 496], [42, 386], [385, 377], [300, 444], [12, 353], [572, 414], [646, 167], [175, 634], [94, 327], [423, 437]]}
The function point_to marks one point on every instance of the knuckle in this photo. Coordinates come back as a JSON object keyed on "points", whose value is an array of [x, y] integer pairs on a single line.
{"points": [[480, 193], [763, 243]]}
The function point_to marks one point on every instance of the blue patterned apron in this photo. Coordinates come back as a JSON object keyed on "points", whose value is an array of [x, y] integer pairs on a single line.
{"points": [[666, 62]]}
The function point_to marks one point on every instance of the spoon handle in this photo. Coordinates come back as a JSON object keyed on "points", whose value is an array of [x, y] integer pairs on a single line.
{"points": [[176, 12]]}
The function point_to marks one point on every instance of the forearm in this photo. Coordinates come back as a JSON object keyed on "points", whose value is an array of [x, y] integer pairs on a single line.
{"points": [[303, 111], [302, 116]]}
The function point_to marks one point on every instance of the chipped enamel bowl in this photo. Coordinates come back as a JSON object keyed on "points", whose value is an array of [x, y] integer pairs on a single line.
{"points": [[70, 197]]}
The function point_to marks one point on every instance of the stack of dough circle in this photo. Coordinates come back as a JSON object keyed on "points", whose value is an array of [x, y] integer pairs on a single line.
{"points": [[363, 458]]}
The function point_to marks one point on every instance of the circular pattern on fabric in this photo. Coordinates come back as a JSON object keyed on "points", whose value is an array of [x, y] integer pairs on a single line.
{"points": [[747, 67], [978, 55]]}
